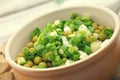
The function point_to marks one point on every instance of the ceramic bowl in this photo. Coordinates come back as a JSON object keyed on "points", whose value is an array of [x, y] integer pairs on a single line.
{"points": [[101, 65]]}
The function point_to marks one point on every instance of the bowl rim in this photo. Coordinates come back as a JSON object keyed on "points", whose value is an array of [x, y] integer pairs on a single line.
{"points": [[112, 40]]}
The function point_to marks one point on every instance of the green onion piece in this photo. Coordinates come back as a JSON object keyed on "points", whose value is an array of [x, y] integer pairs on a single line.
{"points": [[51, 57], [67, 22], [75, 57], [91, 29], [88, 23], [58, 63], [35, 32], [28, 54], [74, 15], [57, 58], [85, 18], [108, 32], [87, 49]]}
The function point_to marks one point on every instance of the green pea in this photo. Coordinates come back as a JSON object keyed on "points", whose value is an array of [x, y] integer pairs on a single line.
{"points": [[97, 31], [30, 63], [17, 58], [43, 65], [31, 49], [37, 60], [30, 44], [21, 54], [95, 25], [88, 39], [85, 18], [102, 36], [47, 55], [34, 66], [27, 65], [101, 27], [34, 39]]}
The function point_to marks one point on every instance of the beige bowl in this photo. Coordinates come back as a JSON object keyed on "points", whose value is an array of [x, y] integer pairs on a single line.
{"points": [[100, 65]]}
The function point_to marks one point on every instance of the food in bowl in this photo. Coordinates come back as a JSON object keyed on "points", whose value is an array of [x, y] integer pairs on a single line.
{"points": [[102, 64], [63, 42]]}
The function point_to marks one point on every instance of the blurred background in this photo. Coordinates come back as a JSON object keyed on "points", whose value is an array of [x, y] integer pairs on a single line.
{"points": [[15, 14]]}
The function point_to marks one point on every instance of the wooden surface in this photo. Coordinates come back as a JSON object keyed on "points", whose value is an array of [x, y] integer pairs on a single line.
{"points": [[5, 70]]}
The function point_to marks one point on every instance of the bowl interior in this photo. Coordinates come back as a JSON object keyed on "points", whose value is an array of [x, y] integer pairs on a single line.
{"points": [[20, 38]]}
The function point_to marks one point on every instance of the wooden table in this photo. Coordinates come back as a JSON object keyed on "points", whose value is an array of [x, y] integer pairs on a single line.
{"points": [[5, 70]]}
